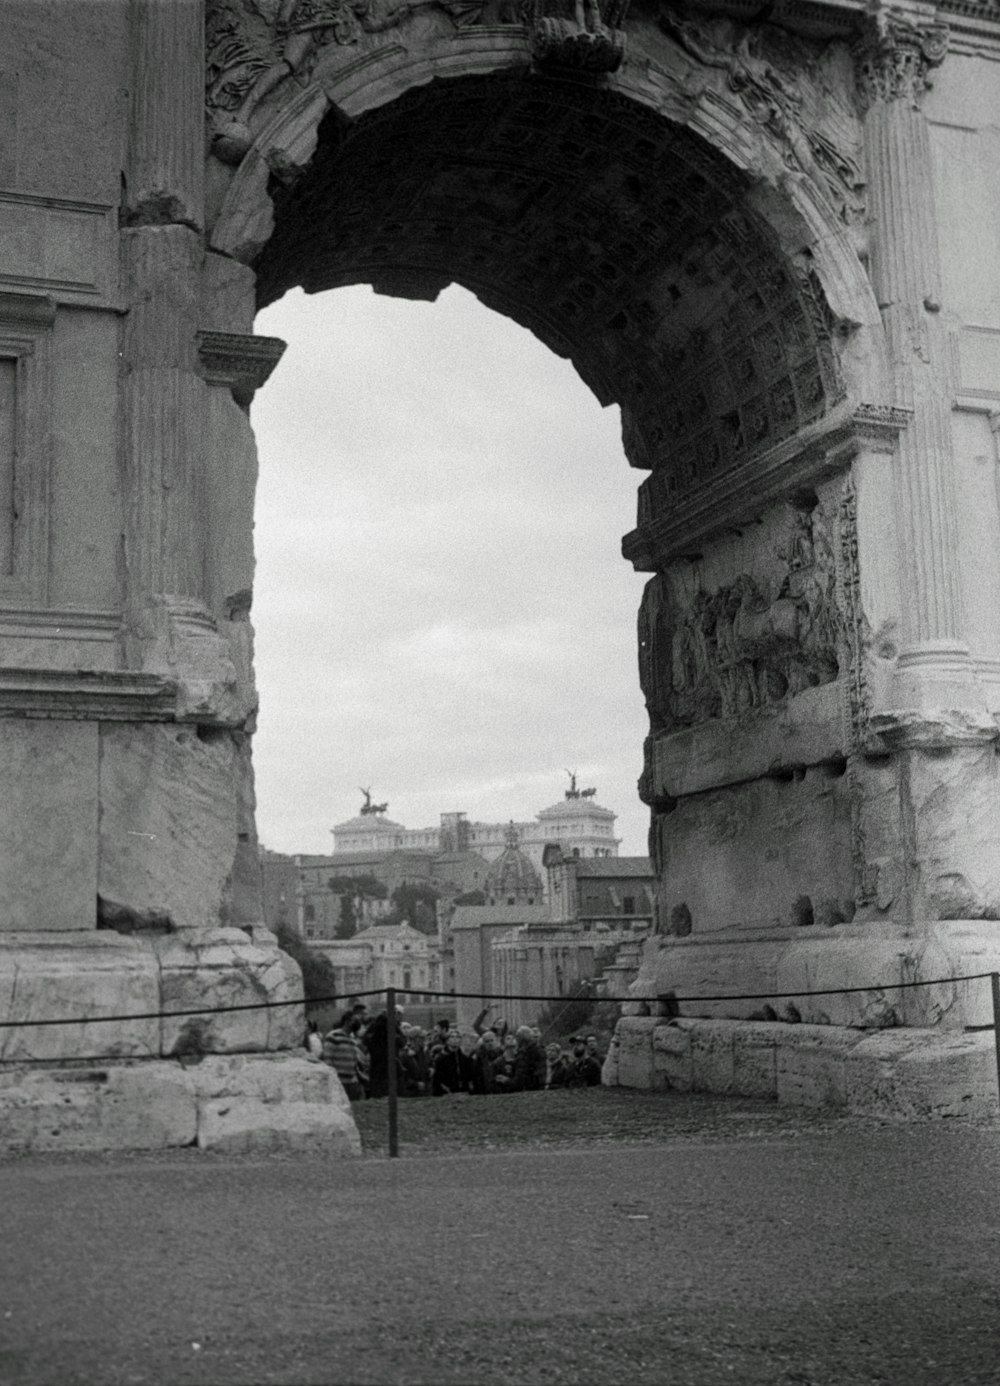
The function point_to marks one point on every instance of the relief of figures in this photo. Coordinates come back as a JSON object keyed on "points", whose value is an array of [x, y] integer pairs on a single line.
{"points": [[774, 99], [252, 46], [741, 648]]}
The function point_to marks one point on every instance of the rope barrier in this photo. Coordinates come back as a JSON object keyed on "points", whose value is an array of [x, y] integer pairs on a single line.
{"points": [[595, 996], [391, 1010]]}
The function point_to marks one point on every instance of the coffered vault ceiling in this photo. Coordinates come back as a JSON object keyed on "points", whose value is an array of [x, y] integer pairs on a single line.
{"points": [[621, 240]]}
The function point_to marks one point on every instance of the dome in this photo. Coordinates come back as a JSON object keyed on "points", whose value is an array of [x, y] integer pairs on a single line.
{"points": [[512, 878]]}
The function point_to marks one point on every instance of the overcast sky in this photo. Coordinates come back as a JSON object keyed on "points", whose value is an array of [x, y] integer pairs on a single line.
{"points": [[441, 607]]}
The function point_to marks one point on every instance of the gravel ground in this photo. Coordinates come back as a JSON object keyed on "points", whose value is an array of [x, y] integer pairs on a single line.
{"points": [[573, 1117], [574, 1239]]}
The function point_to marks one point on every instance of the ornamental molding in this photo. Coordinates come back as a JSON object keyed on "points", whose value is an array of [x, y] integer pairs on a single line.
{"points": [[241, 362], [739, 495], [894, 58], [98, 696], [879, 425]]}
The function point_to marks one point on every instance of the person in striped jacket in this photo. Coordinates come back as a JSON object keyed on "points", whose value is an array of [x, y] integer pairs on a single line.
{"points": [[340, 1052]]}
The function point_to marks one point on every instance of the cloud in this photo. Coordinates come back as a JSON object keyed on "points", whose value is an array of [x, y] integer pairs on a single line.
{"points": [[441, 606]]}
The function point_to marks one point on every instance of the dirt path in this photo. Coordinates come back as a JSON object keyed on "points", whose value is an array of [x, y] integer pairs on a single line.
{"points": [[716, 1243]]}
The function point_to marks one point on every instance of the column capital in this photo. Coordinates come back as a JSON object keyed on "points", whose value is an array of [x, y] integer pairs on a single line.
{"points": [[894, 55]]}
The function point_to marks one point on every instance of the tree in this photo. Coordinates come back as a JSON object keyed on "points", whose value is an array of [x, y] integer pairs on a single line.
{"points": [[318, 975], [352, 889], [418, 904]]}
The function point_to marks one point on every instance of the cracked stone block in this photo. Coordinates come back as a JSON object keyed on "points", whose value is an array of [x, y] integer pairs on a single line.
{"points": [[672, 1055], [146, 1106], [201, 970], [45, 976], [712, 1058], [755, 1060], [48, 825], [272, 1103], [811, 1064], [872, 1078], [168, 828], [635, 1051], [953, 1076]]}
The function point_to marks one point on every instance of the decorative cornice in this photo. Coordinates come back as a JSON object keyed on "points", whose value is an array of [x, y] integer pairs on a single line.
{"points": [[879, 425], [736, 497], [38, 309], [894, 57], [96, 696], [241, 362]]}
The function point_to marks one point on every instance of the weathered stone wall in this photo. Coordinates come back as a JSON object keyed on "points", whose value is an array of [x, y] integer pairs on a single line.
{"points": [[762, 241]]}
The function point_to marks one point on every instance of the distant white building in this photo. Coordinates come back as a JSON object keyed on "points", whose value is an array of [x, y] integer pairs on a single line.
{"points": [[384, 955], [579, 825]]}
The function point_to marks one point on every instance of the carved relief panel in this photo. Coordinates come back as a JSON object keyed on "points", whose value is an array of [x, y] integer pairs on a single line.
{"points": [[722, 649]]}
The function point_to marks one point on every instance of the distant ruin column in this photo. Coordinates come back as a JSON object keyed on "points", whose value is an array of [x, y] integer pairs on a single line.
{"points": [[934, 669]]}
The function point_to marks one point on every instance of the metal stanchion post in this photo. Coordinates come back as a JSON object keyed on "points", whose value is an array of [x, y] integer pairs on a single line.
{"points": [[390, 1058], [995, 987]]}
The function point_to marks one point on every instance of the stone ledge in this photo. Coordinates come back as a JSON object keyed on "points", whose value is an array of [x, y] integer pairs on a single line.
{"points": [[872, 956], [87, 973], [253, 1103], [900, 1073]]}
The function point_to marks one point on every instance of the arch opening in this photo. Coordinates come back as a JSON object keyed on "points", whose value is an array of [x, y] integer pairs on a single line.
{"points": [[623, 241], [439, 605], [676, 284]]}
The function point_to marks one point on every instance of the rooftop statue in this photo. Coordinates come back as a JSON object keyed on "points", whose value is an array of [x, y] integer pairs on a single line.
{"points": [[368, 807]]}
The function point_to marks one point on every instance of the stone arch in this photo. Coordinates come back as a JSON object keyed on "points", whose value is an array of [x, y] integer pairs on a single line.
{"points": [[687, 229], [789, 217]]}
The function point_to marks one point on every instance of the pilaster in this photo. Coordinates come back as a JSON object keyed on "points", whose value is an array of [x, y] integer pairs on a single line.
{"points": [[166, 164], [163, 396], [894, 59], [163, 402]]}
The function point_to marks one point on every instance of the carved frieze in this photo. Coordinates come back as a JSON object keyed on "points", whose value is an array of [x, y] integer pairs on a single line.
{"points": [[765, 70], [746, 645], [252, 46]]}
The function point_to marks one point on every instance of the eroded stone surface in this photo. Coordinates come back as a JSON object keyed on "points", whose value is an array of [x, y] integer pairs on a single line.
{"points": [[903, 1073], [235, 1104], [220, 968], [282, 1103], [721, 234], [854, 965], [168, 821], [48, 825], [148, 1107], [48, 976]]}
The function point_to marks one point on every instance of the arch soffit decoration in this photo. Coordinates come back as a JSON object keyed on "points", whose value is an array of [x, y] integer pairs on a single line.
{"points": [[790, 210]]}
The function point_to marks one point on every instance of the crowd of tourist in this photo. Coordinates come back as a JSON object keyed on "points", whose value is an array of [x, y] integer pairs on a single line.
{"points": [[447, 1060]]}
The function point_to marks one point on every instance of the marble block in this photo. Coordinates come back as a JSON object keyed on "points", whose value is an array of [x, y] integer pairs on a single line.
{"points": [[44, 976], [223, 967], [48, 824]]}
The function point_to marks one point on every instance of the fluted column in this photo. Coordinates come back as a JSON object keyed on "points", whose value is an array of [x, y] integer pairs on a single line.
{"points": [[166, 165], [893, 61], [163, 401], [163, 398]]}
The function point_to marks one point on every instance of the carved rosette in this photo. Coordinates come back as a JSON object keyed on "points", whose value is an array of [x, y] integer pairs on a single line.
{"points": [[893, 59]]}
